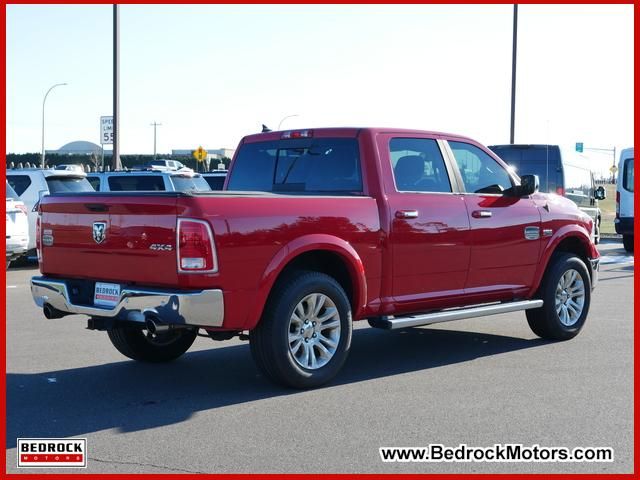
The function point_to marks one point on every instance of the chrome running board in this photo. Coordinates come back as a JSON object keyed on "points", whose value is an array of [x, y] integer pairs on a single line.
{"points": [[393, 323]]}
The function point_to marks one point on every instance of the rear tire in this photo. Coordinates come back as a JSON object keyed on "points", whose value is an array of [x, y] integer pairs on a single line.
{"points": [[136, 344], [304, 336], [627, 241], [566, 292]]}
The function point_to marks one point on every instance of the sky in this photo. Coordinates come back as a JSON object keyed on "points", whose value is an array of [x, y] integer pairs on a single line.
{"points": [[211, 74]]}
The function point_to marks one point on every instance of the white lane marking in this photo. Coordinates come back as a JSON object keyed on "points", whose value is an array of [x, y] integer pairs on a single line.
{"points": [[12, 286], [611, 259]]}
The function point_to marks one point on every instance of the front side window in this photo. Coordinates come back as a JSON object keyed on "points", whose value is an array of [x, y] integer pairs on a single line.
{"points": [[480, 173], [95, 183], [418, 165], [323, 165]]}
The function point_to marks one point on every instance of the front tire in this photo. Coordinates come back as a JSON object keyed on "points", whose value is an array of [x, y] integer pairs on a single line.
{"points": [[627, 241], [566, 292], [304, 336], [139, 345]]}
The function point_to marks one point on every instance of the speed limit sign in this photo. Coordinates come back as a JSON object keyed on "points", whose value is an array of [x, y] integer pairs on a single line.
{"points": [[106, 130]]}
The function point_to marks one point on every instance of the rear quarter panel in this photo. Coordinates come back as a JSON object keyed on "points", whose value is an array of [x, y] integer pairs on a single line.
{"points": [[254, 244]]}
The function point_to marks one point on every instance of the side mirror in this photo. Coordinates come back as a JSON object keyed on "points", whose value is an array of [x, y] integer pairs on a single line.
{"points": [[600, 193], [529, 184]]}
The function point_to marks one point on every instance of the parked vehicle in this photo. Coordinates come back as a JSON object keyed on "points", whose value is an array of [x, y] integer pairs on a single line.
{"points": [[17, 226], [164, 165], [560, 172], [319, 228], [215, 179], [73, 167], [124, 181], [624, 199], [31, 184]]}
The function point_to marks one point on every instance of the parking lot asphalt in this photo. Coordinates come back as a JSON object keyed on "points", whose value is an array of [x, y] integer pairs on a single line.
{"points": [[480, 382]]}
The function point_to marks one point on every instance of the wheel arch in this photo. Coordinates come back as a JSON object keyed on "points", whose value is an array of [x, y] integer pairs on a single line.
{"points": [[570, 239], [316, 252]]}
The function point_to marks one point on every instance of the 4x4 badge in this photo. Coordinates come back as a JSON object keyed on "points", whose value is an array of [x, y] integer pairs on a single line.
{"points": [[99, 231]]}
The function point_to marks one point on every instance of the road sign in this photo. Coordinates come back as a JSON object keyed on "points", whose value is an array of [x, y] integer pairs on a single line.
{"points": [[613, 169], [579, 147], [106, 130], [200, 154]]}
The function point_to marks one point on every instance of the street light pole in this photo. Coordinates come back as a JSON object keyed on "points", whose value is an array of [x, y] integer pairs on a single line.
{"points": [[154, 125], [513, 73], [115, 160], [42, 158], [284, 118]]}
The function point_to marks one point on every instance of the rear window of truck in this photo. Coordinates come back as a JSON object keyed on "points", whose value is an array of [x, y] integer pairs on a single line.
{"points": [[68, 184], [320, 166]]}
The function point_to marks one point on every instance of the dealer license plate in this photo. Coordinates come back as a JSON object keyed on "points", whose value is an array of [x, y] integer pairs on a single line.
{"points": [[106, 294]]}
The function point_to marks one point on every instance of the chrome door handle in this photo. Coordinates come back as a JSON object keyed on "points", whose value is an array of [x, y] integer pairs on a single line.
{"points": [[407, 214], [481, 214]]}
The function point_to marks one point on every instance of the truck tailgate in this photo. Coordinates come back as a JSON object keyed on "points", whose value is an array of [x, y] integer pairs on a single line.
{"points": [[122, 239]]}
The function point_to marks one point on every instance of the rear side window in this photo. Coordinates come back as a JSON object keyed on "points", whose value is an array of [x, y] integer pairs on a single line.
{"points": [[627, 179], [19, 183], [68, 184], [124, 183], [95, 183], [480, 173], [215, 182], [184, 183], [418, 165], [324, 165]]}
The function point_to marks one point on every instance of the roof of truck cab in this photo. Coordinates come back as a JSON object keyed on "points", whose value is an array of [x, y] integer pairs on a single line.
{"points": [[347, 132]]}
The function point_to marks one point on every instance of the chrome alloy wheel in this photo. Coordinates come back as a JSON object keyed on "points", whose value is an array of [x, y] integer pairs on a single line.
{"points": [[570, 296], [314, 331]]}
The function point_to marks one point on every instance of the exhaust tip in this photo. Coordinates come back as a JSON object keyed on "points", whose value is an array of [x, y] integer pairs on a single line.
{"points": [[51, 313], [154, 325]]}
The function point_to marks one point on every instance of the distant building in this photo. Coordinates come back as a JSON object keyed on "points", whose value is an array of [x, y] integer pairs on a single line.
{"points": [[79, 147], [212, 153]]}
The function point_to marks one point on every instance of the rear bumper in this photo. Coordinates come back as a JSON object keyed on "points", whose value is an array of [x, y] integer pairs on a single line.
{"points": [[16, 247], [203, 308], [624, 225]]}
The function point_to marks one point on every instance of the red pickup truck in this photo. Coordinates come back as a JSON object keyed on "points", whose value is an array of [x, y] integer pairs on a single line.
{"points": [[317, 229]]}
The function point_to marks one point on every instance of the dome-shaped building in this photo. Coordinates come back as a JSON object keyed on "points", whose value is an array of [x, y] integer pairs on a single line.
{"points": [[79, 147]]}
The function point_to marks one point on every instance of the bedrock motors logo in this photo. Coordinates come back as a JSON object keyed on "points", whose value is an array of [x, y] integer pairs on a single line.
{"points": [[52, 452]]}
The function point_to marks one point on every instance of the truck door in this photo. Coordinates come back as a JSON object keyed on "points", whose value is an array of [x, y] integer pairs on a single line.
{"points": [[505, 229], [429, 231]]}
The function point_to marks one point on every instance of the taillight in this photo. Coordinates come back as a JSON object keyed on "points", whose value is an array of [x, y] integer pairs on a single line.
{"points": [[617, 204], [196, 250], [560, 191], [38, 242]]}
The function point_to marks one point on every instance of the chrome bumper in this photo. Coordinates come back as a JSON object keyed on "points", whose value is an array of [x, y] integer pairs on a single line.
{"points": [[199, 308], [595, 271]]}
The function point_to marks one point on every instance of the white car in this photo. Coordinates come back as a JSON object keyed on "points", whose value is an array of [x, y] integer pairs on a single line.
{"points": [[17, 232], [624, 199], [31, 184]]}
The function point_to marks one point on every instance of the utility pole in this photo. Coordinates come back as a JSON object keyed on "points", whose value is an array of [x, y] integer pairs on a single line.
{"points": [[513, 74], [154, 125], [115, 159]]}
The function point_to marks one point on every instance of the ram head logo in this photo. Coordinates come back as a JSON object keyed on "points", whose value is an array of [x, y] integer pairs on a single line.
{"points": [[99, 231]]}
